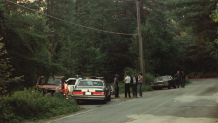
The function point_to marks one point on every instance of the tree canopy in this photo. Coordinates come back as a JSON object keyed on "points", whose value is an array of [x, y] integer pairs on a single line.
{"points": [[71, 39]]}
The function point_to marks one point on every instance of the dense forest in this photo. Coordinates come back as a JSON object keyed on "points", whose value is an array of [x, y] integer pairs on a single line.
{"points": [[99, 37]]}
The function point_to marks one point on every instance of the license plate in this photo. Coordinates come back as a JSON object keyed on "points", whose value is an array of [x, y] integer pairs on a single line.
{"points": [[91, 90], [88, 93], [84, 90]]}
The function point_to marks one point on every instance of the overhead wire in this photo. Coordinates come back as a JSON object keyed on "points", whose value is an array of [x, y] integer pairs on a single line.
{"points": [[91, 28]]}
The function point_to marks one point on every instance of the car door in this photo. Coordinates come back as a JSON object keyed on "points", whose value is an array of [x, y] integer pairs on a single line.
{"points": [[108, 89], [71, 85]]}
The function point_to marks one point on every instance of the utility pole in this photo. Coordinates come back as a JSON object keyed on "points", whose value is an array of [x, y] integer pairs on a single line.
{"points": [[140, 41]]}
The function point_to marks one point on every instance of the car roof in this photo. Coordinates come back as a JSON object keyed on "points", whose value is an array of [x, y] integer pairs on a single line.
{"points": [[164, 75], [92, 79]]}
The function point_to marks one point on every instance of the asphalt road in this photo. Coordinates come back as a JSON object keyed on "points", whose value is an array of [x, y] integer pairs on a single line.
{"points": [[196, 103]]}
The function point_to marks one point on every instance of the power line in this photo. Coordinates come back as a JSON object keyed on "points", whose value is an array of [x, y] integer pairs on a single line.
{"points": [[70, 22]]}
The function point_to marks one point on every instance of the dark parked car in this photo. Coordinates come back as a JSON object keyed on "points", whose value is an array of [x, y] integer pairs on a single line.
{"points": [[163, 81]]}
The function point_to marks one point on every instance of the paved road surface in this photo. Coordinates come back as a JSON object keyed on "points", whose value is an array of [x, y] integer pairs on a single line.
{"points": [[196, 103]]}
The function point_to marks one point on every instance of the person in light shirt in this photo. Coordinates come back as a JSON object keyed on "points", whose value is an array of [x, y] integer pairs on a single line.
{"points": [[140, 80], [127, 85]]}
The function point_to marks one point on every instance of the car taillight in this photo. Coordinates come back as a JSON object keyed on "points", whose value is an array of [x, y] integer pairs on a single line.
{"points": [[77, 93], [98, 93]]}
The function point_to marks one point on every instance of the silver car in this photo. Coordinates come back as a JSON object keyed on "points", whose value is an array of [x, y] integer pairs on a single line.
{"points": [[92, 89]]}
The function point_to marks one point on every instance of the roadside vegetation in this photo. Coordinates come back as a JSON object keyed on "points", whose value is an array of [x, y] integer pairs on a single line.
{"points": [[32, 105]]}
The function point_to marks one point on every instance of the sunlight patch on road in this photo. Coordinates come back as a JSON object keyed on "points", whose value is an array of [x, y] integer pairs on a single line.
{"points": [[188, 99], [171, 119]]}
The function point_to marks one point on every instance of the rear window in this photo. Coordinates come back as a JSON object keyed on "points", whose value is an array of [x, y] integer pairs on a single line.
{"points": [[54, 81], [162, 78], [71, 82], [90, 83]]}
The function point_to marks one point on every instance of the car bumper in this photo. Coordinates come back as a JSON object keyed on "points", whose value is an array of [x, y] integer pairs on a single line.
{"points": [[85, 97], [159, 85]]}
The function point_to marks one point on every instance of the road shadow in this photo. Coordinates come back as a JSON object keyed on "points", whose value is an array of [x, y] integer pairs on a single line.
{"points": [[92, 102]]}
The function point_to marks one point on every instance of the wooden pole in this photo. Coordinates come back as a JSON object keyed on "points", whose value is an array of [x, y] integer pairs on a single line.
{"points": [[140, 41]]}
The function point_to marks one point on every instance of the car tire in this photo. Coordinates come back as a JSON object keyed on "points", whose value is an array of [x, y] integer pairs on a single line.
{"points": [[77, 101], [169, 87], [109, 98], [104, 101], [174, 86]]}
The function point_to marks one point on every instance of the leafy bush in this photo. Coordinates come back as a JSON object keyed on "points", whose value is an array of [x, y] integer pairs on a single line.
{"points": [[146, 88], [187, 81], [32, 105], [149, 78]]}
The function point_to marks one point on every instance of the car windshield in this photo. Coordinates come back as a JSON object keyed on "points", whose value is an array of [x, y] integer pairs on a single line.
{"points": [[162, 78], [54, 81], [90, 83], [71, 82]]}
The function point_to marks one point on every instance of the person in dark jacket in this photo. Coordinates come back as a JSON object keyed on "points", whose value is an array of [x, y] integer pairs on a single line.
{"points": [[116, 85], [178, 79], [183, 78], [134, 82]]}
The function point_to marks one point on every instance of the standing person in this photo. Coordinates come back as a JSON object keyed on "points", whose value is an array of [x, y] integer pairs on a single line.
{"points": [[134, 82], [183, 78], [178, 79], [127, 85], [140, 79], [116, 85]]}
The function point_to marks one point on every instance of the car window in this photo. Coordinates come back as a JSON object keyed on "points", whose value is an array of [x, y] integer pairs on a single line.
{"points": [[164, 78], [71, 82], [54, 81], [90, 83]]}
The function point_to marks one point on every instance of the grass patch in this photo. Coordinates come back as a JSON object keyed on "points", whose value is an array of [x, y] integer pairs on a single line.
{"points": [[187, 81], [31, 105]]}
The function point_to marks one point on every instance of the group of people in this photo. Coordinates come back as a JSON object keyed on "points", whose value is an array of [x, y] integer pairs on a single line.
{"points": [[130, 82], [180, 79]]}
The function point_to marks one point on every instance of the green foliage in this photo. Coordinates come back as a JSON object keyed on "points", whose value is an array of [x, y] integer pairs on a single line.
{"points": [[149, 78], [160, 50], [6, 81], [33, 105], [187, 81], [177, 35], [25, 37], [197, 33], [147, 88]]}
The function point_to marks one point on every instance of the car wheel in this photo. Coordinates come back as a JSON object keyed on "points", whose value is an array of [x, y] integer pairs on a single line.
{"points": [[104, 101], [109, 98], [174, 85], [169, 87], [77, 101]]}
